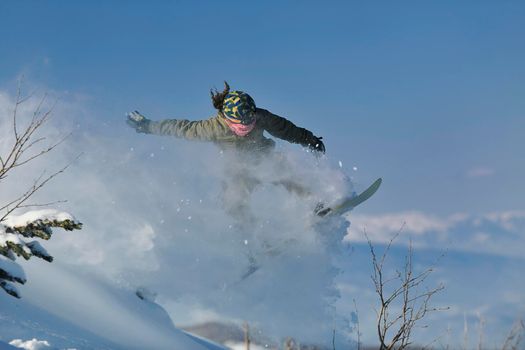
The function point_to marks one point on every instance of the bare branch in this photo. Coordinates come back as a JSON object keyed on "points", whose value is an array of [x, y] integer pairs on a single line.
{"points": [[36, 186], [23, 141], [394, 331], [515, 336], [18, 89], [18, 155], [42, 152], [36, 205]]}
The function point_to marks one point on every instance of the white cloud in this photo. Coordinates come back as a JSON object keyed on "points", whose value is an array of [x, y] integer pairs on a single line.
{"points": [[380, 228], [501, 233], [33, 344]]}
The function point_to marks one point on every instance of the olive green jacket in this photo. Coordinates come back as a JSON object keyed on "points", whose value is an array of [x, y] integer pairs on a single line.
{"points": [[216, 130]]}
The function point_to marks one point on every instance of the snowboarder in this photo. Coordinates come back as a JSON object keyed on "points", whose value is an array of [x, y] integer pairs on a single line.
{"points": [[238, 127]]}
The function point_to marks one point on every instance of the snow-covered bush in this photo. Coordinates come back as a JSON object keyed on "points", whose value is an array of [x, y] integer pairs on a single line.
{"points": [[20, 144], [13, 232]]}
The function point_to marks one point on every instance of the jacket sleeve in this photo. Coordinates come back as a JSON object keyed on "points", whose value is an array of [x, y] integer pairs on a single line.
{"points": [[200, 130], [284, 129]]}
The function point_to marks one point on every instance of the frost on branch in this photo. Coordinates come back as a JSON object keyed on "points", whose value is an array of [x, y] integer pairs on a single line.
{"points": [[14, 231]]}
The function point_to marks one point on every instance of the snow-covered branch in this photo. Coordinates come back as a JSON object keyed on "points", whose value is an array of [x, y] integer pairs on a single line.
{"points": [[14, 231]]}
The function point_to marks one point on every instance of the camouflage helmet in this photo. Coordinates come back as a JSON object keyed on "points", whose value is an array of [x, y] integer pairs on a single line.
{"points": [[238, 107]]}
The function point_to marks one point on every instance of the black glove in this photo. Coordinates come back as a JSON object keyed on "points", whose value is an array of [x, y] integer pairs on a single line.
{"points": [[137, 121], [317, 144]]}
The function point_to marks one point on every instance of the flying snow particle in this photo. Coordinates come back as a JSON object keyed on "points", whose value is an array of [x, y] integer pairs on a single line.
{"points": [[245, 242], [340, 164], [152, 155], [354, 168], [189, 217]]}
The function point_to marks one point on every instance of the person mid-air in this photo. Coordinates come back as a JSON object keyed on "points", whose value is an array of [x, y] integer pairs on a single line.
{"points": [[239, 128]]}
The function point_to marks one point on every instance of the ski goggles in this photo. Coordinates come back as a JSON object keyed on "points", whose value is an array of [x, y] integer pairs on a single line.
{"points": [[246, 118]]}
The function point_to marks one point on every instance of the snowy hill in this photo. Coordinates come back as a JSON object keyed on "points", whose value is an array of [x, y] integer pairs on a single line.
{"points": [[66, 309], [88, 314]]}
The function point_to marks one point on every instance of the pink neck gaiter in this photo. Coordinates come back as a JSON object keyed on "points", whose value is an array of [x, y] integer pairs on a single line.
{"points": [[239, 129]]}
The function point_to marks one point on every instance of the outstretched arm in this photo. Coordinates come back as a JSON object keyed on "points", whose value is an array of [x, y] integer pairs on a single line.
{"points": [[286, 130], [201, 130]]}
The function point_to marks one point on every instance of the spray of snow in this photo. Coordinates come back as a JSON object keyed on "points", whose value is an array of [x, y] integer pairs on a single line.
{"points": [[161, 222]]}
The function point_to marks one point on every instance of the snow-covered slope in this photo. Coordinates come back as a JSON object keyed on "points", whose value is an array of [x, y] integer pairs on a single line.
{"points": [[85, 313]]}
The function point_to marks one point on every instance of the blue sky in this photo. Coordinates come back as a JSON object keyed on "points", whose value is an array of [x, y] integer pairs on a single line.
{"points": [[427, 95]]}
